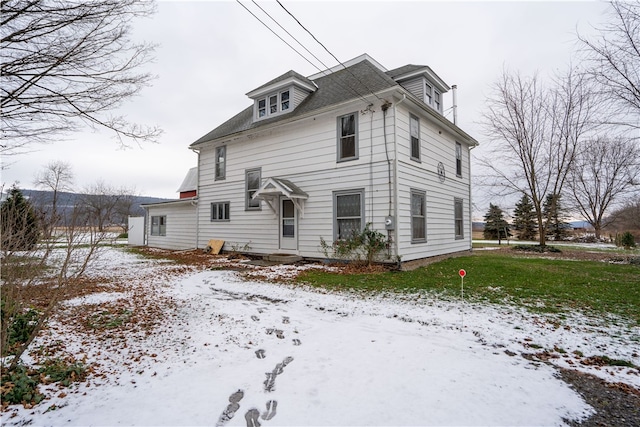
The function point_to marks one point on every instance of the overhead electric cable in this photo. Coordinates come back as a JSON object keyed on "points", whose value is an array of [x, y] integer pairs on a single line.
{"points": [[325, 48], [296, 51]]}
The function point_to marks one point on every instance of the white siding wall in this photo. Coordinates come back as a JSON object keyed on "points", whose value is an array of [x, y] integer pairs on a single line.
{"points": [[416, 87], [181, 226], [437, 145], [304, 153]]}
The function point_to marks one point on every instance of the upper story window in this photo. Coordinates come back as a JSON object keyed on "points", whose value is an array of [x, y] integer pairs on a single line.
{"points": [[458, 159], [348, 137], [414, 128], [273, 104], [221, 156]]}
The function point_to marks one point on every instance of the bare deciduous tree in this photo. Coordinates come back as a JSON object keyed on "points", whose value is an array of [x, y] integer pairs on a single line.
{"points": [[605, 169], [56, 176], [534, 132], [65, 64], [613, 60], [106, 205]]}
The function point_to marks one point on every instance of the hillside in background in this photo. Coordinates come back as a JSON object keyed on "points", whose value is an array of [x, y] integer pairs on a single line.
{"points": [[67, 200]]}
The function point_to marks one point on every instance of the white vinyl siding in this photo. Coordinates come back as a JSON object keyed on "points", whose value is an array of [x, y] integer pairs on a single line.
{"points": [[304, 152], [180, 226]]}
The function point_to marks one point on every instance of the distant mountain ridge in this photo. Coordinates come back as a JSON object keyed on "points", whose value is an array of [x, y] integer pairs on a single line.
{"points": [[67, 200]]}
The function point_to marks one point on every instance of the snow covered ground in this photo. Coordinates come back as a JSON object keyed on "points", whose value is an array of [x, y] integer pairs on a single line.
{"points": [[235, 351]]}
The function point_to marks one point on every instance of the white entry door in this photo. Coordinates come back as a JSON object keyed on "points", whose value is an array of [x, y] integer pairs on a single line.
{"points": [[288, 225]]}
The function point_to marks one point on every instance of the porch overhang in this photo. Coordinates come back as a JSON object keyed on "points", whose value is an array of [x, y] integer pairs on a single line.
{"points": [[274, 188]]}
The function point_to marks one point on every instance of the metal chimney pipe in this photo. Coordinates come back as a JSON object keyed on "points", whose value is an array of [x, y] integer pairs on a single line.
{"points": [[454, 90]]}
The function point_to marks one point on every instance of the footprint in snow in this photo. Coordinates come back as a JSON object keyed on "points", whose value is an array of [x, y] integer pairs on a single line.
{"points": [[252, 417], [255, 318], [260, 354], [296, 341], [271, 410], [231, 409]]}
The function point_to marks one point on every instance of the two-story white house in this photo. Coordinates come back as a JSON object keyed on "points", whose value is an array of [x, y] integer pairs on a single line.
{"points": [[324, 155]]}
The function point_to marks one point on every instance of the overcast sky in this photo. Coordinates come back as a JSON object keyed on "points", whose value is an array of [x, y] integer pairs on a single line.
{"points": [[211, 53]]}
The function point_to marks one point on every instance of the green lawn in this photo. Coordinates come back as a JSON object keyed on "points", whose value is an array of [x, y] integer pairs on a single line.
{"points": [[547, 285]]}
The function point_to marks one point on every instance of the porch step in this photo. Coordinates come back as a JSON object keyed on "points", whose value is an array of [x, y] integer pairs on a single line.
{"points": [[283, 258]]}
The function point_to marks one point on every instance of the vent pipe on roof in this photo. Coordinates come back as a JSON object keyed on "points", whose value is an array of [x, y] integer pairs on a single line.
{"points": [[454, 91]]}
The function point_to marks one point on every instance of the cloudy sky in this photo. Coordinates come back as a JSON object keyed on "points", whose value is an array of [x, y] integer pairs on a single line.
{"points": [[211, 53]]}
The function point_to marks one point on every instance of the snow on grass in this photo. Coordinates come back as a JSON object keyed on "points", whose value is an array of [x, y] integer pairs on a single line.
{"points": [[230, 349]]}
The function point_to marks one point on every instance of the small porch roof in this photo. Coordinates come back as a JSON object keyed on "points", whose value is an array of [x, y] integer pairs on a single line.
{"points": [[271, 190]]}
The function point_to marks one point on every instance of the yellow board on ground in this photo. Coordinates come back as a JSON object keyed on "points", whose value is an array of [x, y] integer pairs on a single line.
{"points": [[215, 245]]}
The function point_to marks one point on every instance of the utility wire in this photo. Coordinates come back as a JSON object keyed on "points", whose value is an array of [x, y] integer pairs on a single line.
{"points": [[277, 35], [296, 51], [325, 48]]}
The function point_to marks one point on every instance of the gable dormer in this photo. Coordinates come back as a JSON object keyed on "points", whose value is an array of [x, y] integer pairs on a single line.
{"points": [[280, 96], [422, 82]]}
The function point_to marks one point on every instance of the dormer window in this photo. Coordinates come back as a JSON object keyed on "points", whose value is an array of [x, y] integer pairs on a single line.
{"points": [[432, 96], [273, 104]]}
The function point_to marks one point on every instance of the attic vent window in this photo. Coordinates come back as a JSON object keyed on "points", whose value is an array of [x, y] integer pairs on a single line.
{"points": [[273, 104]]}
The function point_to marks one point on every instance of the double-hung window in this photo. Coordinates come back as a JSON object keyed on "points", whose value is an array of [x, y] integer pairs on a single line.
{"points": [[459, 221], [349, 213], [458, 159], [220, 211], [436, 100], [428, 94], [159, 225], [284, 100], [418, 216], [221, 156], [252, 184], [414, 128], [348, 137]]}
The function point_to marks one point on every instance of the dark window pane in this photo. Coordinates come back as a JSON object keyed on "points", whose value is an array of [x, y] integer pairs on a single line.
{"points": [[348, 206]]}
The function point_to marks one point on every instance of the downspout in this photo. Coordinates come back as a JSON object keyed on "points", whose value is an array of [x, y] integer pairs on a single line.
{"points": [[470, 204], [393, 184], [197, 151]]}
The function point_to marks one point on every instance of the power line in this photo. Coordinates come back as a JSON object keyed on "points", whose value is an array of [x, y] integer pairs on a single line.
{"points": [[325, 48], [301, 55]]}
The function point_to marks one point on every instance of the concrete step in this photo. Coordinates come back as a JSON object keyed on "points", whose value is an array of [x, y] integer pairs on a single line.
{"points": [[283, 258]]}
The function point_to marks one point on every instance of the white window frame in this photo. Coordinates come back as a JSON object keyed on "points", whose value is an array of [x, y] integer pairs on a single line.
{"points": [[341, 137], [273, 104], [458, 160], [158, 225], [220, 211], [251, 204], [422, 217], [414, 133], [221, 165], [336, 219], [458, 215]]}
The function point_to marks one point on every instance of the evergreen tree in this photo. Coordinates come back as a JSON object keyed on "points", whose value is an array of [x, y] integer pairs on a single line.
{"points": [[19, 222], [524, 221], [554, 213], [496, 227]]}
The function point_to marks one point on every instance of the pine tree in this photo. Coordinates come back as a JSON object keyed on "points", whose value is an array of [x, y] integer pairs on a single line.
{"points": [[496, 227], [19, 222], [524, 221], [553, 211]]}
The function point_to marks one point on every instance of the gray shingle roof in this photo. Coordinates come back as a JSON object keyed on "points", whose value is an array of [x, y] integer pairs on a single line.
{"points": [[404, 70], [283, 77], [359, 80]]}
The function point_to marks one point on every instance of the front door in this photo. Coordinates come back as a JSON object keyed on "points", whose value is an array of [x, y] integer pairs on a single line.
{"points": [[288, 225]]}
